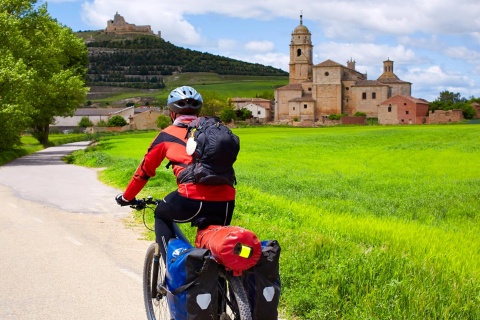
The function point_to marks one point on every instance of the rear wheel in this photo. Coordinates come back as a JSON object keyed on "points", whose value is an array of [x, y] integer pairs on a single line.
{"points": [[242, 306], [154, 270]]}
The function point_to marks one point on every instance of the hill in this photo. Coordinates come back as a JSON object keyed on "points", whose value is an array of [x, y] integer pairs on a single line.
{"points": [[142, 61]]}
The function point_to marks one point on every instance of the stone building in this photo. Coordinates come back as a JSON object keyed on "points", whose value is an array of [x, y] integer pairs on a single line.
{"points": [[401, 109], [316, 91], [119, 26]]}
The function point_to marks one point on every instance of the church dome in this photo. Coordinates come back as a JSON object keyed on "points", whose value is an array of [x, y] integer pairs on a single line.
{"points": [[301, 29]]}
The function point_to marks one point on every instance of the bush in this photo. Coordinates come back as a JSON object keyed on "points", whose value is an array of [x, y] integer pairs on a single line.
{"points": [[163, 121], [227, 115], [85, 122], [336, 116], [360, 114], [102, 123], [116, 121]]}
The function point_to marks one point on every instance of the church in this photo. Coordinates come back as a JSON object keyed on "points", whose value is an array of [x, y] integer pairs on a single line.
{"points": [[316, 91]]}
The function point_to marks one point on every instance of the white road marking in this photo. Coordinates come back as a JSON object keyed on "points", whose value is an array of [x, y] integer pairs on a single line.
{"points": [[132, 275]]}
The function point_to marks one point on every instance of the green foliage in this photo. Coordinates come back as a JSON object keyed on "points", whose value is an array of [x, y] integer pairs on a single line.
{"points": [[374, 222], [116, 121], [102, 123], [227, 115], [243, 114], [163, 121], [46, 69], [85, 122], [336, 116], [360, 114]]}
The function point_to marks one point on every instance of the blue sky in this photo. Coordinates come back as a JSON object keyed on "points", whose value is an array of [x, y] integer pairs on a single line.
{"points": [[434, 44]]}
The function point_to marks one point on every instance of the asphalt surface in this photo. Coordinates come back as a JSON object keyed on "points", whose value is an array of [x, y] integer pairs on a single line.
{"points": [[66, 248]]}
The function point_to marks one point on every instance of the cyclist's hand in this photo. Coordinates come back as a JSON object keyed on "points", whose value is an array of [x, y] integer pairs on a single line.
{"points": [[124, 202]]}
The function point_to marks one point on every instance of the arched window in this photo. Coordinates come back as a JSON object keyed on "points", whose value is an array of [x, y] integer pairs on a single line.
{"points": [[299, 52]]}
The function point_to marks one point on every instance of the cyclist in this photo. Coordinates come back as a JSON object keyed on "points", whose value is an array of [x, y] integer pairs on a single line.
{"points": [[201, 205]]}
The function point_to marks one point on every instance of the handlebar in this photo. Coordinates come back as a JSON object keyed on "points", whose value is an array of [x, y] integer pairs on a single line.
{"points": [[143, 203]]}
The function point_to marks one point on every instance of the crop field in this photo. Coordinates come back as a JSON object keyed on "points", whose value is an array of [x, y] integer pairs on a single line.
{"points": [[374, 222]]}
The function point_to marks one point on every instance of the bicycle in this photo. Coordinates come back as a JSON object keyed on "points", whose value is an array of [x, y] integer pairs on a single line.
{"points": [[233, 300]]}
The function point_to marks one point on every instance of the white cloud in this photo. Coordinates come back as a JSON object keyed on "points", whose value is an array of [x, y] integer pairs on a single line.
{"points": [[432, 80], [260, 46]]}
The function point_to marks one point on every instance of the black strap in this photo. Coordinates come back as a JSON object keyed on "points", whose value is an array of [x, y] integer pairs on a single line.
{"points": [[174, 163]]}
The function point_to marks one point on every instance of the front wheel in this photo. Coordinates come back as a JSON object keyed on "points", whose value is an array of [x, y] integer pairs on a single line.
{"points": [[154, 270]]}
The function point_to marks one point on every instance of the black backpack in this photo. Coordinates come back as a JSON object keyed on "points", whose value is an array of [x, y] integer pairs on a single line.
{"points": [[214, 149]]}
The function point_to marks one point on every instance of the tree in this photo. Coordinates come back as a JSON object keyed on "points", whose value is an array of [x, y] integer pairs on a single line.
{"points": [[117, 121], [15, 75], [49, 67], [227, 115], [163, 121], [85, 122], [447, 96]]}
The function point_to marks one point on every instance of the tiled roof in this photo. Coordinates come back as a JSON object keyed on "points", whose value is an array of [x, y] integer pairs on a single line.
{"points": [[410, 98], [97, 111], [368, 83], [329, 63], [292, 86]]}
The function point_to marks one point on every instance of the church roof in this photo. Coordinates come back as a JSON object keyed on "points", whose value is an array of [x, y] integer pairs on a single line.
{"points": [[368, 83], [305, 98], [329, 63], [391, 80], [410, 98], [291, 86]]}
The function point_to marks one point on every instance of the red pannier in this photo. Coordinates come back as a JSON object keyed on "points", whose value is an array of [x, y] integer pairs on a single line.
{"points": [[236, 248]]}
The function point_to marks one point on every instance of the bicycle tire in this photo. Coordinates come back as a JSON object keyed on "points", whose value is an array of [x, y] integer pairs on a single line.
{"points": [[241, 298], [156, 305]]}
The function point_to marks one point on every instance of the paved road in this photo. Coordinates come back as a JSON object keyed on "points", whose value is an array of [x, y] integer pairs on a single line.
{"points": [[65, 249]]}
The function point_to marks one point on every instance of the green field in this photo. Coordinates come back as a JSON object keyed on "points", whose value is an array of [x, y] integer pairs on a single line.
{"points": [[374, 222], [209, 84]]}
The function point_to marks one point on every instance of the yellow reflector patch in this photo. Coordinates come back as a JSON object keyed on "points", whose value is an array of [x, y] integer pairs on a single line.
{"points": [[245, 252]]}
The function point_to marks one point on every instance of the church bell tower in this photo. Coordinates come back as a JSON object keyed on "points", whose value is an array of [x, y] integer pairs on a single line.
{"points": [[301, 54]]}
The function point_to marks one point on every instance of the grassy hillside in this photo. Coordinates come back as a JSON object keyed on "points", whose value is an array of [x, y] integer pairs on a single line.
{"points": [[374, 222], [223, 87]]}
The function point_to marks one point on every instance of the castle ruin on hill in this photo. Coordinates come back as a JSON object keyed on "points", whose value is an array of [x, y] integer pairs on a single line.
{"points": [[119, 26]]}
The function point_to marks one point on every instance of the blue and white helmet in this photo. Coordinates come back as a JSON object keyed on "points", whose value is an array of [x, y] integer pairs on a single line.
{"points": [[185, 100]]}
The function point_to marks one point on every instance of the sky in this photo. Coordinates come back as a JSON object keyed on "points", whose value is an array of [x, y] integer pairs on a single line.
{"points": [[434, 44]]}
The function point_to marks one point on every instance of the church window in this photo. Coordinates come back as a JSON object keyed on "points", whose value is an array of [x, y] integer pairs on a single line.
{"points": [[364, 95], [299, 52], [293, 108], [374, 95], [390, 108], [305, 106], [327, 74]]}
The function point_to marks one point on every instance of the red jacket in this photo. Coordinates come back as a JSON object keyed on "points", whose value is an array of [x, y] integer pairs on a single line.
{"points": [[170, 143]]}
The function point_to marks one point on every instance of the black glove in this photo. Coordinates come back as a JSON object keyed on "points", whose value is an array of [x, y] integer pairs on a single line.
{"points": [[124, 202]]}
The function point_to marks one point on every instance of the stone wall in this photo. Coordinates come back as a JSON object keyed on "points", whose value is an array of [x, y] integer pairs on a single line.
{"points": [[441, 116]]}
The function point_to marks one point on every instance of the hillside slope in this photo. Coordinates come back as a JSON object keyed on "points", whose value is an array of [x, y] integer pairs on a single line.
{"points": [[142, 61]]}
